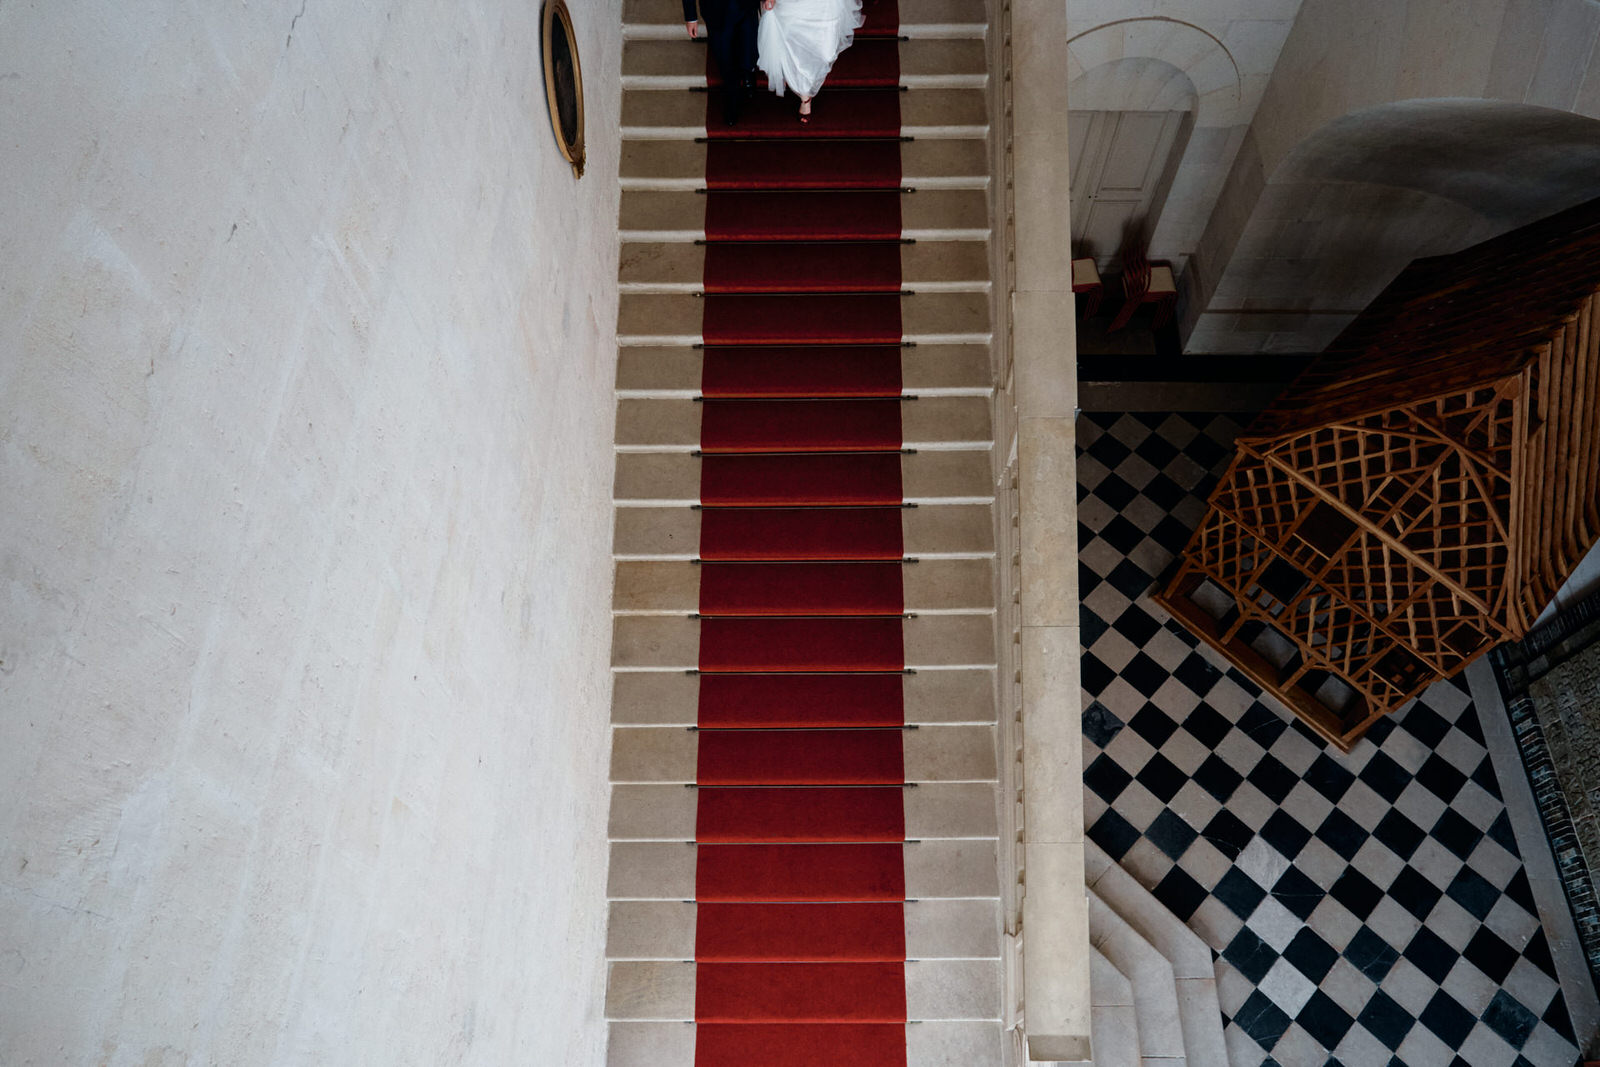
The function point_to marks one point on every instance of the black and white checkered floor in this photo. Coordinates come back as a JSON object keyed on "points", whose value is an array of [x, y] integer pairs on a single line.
{"points": [[1368, 909]]}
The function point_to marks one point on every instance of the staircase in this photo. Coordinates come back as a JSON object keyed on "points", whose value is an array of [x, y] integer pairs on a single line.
{"points": [[804, 854], [1152, 979], [804, 860]]}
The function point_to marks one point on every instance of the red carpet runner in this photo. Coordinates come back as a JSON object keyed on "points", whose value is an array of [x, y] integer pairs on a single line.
{"points": [[800, 881]]}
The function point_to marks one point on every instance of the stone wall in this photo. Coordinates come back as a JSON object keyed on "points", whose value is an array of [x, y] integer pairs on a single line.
{"points": [[1333, 191], [1551, 685], [306, 355]]}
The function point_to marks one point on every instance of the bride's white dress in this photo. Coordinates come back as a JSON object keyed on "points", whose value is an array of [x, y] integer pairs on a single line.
{"points": [[798, 40]]}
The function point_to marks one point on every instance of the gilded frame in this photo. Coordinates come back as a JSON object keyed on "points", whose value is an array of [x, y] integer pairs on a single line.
{"points": [[563, 82]]}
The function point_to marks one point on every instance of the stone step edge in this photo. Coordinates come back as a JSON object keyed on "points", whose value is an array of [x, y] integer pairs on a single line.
{"points": [[696, 236], [1189, 955], [691, 133], [928, 1044], [1192, 961], [697, 183], [968, 285], [1129, 952], [649, 83], [674, 31]]}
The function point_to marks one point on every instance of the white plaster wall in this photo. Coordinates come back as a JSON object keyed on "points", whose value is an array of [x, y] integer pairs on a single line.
{"points": [[306, 350]]}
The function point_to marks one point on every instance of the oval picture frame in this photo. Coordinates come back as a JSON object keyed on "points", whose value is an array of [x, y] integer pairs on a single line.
{"points": [[563, 82]]}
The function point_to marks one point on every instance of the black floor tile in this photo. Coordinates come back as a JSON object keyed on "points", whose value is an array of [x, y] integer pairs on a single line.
{"points": [[1099, 725], [1357, 892], [1491, 955], [1445, 1016], [1313, 956], [1239, 892], [1297, 893], [1324, 1020], [1106, 778], [1431, 955], [1180, 893], [1217, 778], [1207, 725], [1284, 833], [1227, 834], [1342, 834], [1387, 1020], [1415, 893], [1114, 834], [1262, 1020], [1371, 954], [1474, 892]]}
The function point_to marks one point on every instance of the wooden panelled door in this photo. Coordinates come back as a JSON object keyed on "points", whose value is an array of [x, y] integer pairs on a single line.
{"points": [[1119, 159]]}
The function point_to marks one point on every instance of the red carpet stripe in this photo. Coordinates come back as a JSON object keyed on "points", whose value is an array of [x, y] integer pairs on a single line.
{"points": [[766, 319], [858, 113], [801, 645], [800, 425], [800, 267], [749, 933], [796, 216], [800, 1045], [788, 700], [879, 18], [840, 478], [801, 757], [780, 872], [800, 829], [820, 814], [800, 992], [836, 370], [803, 165], [748, 589], [801, 533]]}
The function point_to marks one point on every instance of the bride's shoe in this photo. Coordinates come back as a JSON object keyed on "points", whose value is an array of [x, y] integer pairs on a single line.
{"points": [[805, 110]]}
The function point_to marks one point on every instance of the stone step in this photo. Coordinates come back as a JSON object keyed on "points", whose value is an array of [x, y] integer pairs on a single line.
{"points": [[645, 371], [933, 810], [1155, 993], [681, 115], [668, 698], [1113, 1019], [935, 930], [927, 266], [940, 531], [935, 586], [925, 318], [941, 163], [931, 423], [658, 216], [932, 1043], [672, 479], [964, 869], [668, 754], [932, 642], [664, 990], [918, 18], [1193, 967], [675, 63]]}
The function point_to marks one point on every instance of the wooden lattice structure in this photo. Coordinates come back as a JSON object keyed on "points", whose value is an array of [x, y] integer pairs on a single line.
{"points": [[1420, 493]]}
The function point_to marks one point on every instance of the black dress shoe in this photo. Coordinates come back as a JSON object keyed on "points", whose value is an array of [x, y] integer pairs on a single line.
{"points": [[732, 105]]}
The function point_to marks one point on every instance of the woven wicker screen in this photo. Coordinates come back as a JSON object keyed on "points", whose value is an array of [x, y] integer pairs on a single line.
{"points": [[1420, 493]]}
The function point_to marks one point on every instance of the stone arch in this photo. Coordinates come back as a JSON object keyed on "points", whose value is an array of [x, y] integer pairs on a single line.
{"points": [[1203, 59]]}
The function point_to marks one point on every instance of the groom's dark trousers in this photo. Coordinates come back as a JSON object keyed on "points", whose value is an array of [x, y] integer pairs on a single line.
{"points": [[731, 33]]}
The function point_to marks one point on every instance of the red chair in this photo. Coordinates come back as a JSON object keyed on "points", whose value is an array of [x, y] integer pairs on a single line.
{"points": [[1143, 283], [1086, 279]]}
